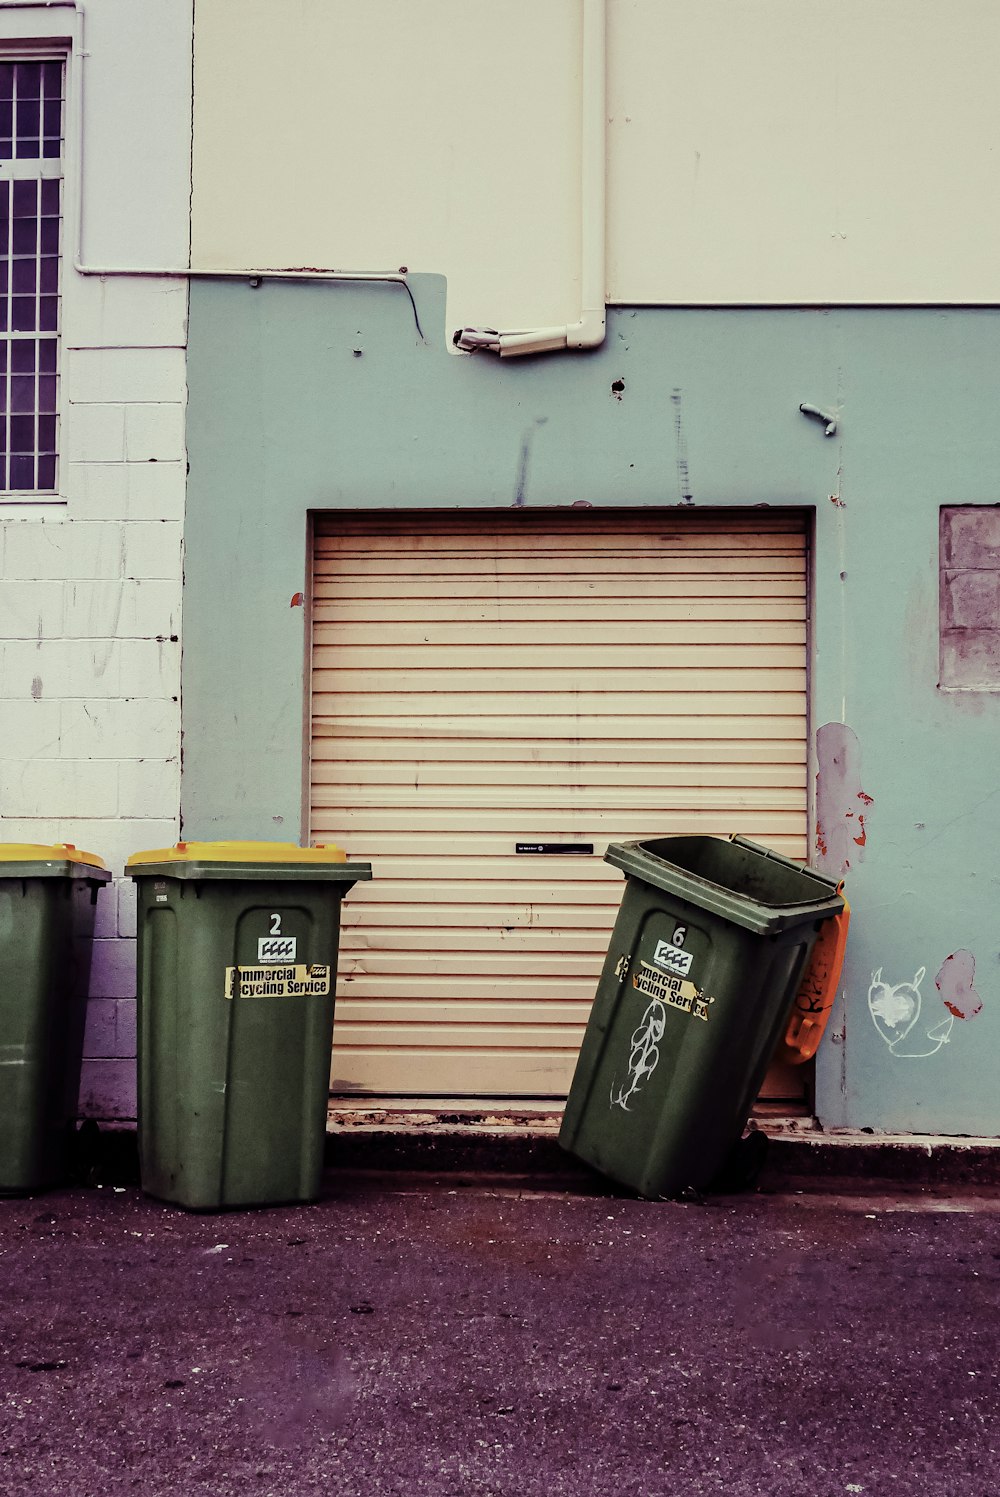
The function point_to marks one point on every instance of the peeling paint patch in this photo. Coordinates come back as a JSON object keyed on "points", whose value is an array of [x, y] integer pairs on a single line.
{"points": [[955, 984], [841, 805], [617, 388]]}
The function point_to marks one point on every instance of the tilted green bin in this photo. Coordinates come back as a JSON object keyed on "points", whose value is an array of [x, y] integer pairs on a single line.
{"points": [[48, 897], [238, 946], [706, 957]]}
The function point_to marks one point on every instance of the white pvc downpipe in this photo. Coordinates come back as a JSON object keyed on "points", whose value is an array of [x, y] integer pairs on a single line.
{"points": [[590, 330]]}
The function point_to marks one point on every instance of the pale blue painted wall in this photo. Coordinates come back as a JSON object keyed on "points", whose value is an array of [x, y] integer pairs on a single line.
{"points": [[285, 418]]}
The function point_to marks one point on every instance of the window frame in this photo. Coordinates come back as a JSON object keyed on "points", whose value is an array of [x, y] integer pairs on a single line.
{"points": [[52, 33], [36, 170]]}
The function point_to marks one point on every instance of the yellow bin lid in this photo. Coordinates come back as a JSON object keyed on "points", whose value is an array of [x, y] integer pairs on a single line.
{"points": [[44, 852], [239, 852]]}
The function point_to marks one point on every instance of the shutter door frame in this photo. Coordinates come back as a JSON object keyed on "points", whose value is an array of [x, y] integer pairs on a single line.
{"points": [[467, 607]]}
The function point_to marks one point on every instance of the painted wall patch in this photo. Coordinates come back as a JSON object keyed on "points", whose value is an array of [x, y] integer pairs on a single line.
{"points": [[842, 806]]}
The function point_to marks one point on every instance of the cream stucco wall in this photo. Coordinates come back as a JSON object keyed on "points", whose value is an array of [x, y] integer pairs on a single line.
{"points": [[441, 135], [797, 151], [762, 151]]}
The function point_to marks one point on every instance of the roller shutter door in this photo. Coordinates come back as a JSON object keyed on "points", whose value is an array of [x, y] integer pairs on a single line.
{"points": [[483, 680]]}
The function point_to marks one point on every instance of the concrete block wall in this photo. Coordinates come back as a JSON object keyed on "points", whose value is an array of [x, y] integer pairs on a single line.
{"points": [[90, 660], [90, 580]]}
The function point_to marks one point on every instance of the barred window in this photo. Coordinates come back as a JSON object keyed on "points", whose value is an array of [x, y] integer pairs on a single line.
{"points": [[31, 156]]}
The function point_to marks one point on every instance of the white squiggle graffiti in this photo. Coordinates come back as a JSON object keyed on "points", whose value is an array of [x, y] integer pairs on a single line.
{"points": [[645, 1054], [895, 1011]]}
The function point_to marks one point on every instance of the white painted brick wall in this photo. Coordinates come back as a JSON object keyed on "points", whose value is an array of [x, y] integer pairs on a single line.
{"points": [[101, 668], [100, 490], [94, 434], [152, 548], [128, 491], [130, 608], [112, 972], [117, 729], [107, 1089], [90, 584], [156, 491], [122, 311], [33, 728], [125, 376], [153, 433], [61, 549], [59, 787], [31, 610], [110, 1027], [148, 787]]}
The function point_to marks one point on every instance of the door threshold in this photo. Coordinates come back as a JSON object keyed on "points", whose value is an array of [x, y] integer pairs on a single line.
{"points": [[492, 1115]]}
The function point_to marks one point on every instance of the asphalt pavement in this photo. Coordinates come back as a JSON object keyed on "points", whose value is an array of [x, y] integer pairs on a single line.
{"points": [[455, 1335]]}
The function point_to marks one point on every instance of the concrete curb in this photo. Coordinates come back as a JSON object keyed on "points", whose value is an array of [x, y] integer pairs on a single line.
{"points": [[795, 1152], [528, 1149], [904, 1161]]}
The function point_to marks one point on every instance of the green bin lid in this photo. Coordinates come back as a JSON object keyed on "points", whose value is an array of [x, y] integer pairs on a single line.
{"points": [[50, 860], [741, 881], [250, 860]]}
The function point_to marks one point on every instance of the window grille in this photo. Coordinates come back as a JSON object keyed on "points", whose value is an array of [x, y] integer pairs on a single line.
{"points": [[32, 110]]}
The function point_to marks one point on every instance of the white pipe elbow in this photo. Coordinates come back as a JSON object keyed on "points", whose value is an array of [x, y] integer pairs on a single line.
{"points": [[590, 331], [587, 333]]}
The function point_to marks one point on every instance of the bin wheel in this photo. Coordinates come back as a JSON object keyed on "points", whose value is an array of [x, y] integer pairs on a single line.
{"points": [[743, 1164]]}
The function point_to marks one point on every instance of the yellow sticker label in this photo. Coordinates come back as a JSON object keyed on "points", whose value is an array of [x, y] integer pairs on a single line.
{"points": [[277, 982], [675, 992]]}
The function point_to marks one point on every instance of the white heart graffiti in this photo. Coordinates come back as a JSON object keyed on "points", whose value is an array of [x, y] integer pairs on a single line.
{"points": [[896, 1009]]}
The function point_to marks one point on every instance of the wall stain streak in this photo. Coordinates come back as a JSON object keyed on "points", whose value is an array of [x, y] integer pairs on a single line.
{"points": [[841, 804], [524, 461], [683, 468]]}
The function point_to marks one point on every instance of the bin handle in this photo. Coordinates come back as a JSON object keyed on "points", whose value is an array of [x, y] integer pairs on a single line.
{"points": [[817, 991], [777, 857]]}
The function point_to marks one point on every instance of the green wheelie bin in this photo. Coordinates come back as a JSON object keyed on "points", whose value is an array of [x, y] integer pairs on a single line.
{"points": [[238, 946], [708, 950], [48, 897]]}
